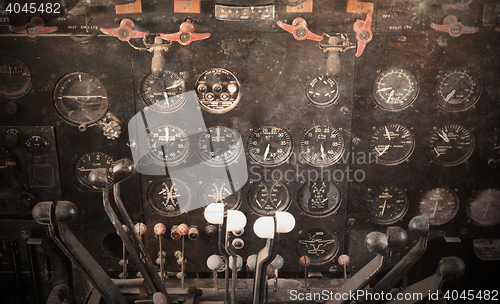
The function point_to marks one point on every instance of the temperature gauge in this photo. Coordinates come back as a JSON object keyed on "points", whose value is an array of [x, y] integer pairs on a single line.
{"points": [[15, 78], [485, 209], [319, 198], [266, 198], [386, 205], [395, 89], [220, 191], [165, 92], [322, 146], [451, 145], [270, 146], [440, 205], [218, 91], [219, 146], [168, 144], [169, 197], [392, 144], [90, 161], [322, 91], [457, 90]]}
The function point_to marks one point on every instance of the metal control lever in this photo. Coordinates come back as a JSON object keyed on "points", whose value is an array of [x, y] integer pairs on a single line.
{"points": [[363, 32], [124, 32], [453, 27], [449, 268], [299, 30], [185, 35], [35, 27]]}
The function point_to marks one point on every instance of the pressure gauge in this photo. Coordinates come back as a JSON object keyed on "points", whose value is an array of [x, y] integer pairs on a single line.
{"points": [[319, 198], [457, 90], [168, 144], [322, 91], [169, 197], [165, 92], [451, 145], [11, 171], [440, 205], [322, 146], [90, 161], [15, 78], [386, 205], [270, 146], [392, 144], [484, 210], [395, 89], [219, 146], [218, 91], [320, 245], [265, 198], [220, 191]]}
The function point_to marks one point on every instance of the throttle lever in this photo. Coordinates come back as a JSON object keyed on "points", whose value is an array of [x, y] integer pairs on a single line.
{"points": [[185, 35], [453, 27], [363, 32], [124, 32], [299, 30]]}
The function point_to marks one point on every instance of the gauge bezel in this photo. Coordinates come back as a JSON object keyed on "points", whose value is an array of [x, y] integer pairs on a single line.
{"points": [[27, 84], [396, 161], [440, 99], [333, 99], [282, 159], [308, 158], [84, 180], [254, 191], [408, 99], [474, 220], [156, 105], [175, 213], [441, 222], [376, 193], [463, 158]]}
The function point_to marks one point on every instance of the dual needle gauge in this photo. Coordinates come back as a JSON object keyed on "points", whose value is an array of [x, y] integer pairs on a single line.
{"points": [[392, 144], [395, 89], [165, 92], [265, 198], [451, 145], [322, 146]]}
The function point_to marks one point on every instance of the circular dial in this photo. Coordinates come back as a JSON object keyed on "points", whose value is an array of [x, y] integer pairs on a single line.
{"points": [[322, 146], [169, 197], [80, 98], [165, 92], [11, 170], [395, 89], [458, 91], [320, 245], [37, 145], [266, 198], [392, 144], [440, 205], [319, 198], [322, 91], [90, 161], [15, 78], [168, 144], [219, 146], [451, 145], [485, 209], [270, 146], [218, 91], [220, 191], [386, 205]]}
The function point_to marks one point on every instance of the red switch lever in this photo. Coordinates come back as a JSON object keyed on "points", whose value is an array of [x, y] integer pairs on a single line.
{"points": [[299, 30], [453, 27], [35, 27], [185, 35], [124, 32], [363, 32]]}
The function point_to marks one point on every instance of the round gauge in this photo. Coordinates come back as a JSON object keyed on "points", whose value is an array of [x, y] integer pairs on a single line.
{"points": [[485, 209], [266, 198], [392, 144], [15, 78], [37, 145], [220, 191], [322, 91], [458, 91], [320, 245], [322, 146], [395, 89], [451, 145], [319, 198], [440, 205], [270, 146], [168, 144], [219, 146], [386, 205], [90, 161], [218, 91], [11, 170], [165, 92], [80, 98], [169, 197]]}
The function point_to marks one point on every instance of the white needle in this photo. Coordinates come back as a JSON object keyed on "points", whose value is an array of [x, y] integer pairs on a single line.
{"points": [[435, 209], [257, 201], [383, 151], [267, 151], [323, 152], [384, 89], [435, 150], [486, 211], [387, 133], [444, 136], [449, 96], [383, 208], [166, 131], [390, 96], [166, 98], [172, 86]]}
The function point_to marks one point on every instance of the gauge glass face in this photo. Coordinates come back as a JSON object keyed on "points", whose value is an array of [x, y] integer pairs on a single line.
{"points": [[322, 91], [37, 145], [165, 92], [169, 197], [392, 144], [218, 91], [484, 210], [451, 145], [168, 144], [220, 191], [270, 146], [386, 205], [457, 90], [319, 198], [319, 245], [265, 198], [322, 146], [11, 170], [219, 146], [440, 205], [80, 98], [15, 78], [90, 161], [395, 89]]}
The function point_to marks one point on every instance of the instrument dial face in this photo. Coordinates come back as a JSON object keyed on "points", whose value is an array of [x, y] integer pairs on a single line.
{"points": [[395, 89], [218, 91], [219, 146], [440, 205], [386, 205], [451, 145], [36, 145], [168, 144], [270, 146], [392, 144], [165, 92], [485, 209], [322, 146], [169, 197], [11, 171], [15, 78], [458, 91], [265, 198], [319, 198], [90, 161], [319, 245], [220, 191], [322, 91], [80, 98]]}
